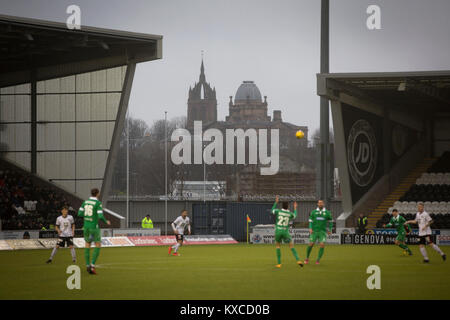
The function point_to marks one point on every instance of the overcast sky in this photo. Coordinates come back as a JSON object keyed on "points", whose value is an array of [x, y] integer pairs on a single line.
{"points": [[272, 42]]}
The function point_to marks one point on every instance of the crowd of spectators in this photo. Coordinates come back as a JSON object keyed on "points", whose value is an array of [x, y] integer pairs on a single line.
{"points": [[24, 205]]}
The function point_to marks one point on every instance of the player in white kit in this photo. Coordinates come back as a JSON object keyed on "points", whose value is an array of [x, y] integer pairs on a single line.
{"points": [[65, 226], [179, 226], [424, 221]]}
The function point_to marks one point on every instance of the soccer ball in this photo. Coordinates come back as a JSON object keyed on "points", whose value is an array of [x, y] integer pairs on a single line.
{"points": [[299, 134]]}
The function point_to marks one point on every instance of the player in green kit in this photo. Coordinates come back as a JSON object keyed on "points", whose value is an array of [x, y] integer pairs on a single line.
{"points": [[398, 222], [318, 220], [283, 217], [91, 210]]}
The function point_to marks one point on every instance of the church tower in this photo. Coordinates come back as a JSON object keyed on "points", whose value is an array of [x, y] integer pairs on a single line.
{"points": [[202, 102]]}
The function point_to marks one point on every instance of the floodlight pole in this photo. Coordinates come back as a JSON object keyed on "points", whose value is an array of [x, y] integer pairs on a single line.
{"points": [[324, 192], [128, 168], [165, 184]]}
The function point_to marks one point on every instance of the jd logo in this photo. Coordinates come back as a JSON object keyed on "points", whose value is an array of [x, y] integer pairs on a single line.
{"points": [[374, 281], [362, 152]]}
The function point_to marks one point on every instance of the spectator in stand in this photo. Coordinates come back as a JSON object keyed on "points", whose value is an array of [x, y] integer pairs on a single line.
{"points": [[29, 205], [19, 209], [19, 195]]}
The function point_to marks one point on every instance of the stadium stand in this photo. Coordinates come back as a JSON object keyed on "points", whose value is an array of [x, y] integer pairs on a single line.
{"points": [[442, 164], [433, 189], [25, 205]]}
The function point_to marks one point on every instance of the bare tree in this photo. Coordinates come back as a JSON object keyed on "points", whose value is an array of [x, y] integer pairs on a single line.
{"points": [[147, 158], [316, 137]]}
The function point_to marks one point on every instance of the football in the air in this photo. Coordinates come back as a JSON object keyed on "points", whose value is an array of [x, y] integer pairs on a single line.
{"points": [[299, 134]]}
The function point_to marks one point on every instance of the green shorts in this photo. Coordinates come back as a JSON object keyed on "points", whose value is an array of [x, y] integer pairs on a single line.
{"points": [[92, 235], [282, 236], [320, 236], [401, 237]]}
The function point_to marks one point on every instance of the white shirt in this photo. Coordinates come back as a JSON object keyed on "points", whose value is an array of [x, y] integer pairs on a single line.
{"points": [[27, 205], [422, 220], [180, 224], [65, 225], [20, 210]]}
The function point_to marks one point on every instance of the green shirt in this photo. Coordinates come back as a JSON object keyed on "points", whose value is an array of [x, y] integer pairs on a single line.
{"points": [[91, 210], [283, 217], [318, 220], [398, 223]]}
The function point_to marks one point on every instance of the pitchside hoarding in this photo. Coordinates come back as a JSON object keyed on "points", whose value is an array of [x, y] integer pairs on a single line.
{"points": [[300, 236], [188, 240], [394, 231], [443, 238], [106, 242], [4, 245], [48, 243], [378, 239], [18, 234], [16, 244], [135, 232]]}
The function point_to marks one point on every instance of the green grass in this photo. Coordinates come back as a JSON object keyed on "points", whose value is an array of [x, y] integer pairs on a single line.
{"points": [[227, 272]]}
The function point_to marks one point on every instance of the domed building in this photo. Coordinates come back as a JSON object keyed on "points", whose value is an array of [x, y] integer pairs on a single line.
{"points": [[248, 104], [250, 111]]}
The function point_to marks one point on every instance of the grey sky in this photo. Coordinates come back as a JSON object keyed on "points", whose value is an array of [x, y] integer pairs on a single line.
{"points": [[272, 42]]}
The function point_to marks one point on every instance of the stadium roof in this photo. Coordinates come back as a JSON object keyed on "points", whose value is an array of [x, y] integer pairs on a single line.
{"points": [[52, 50], [415, 90]]}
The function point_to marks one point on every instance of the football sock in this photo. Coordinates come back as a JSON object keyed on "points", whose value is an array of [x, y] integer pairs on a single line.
{"points": [[53, 253], [87, 255], [294, 252], [279, 255], [95, 255], [423, 251], [308, 251], [321, 250], [176, 247], [72, 252], [435, 247], [404, 247]]}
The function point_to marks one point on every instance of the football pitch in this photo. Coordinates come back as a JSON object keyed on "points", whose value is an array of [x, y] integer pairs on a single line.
{"points": [[227, 272]]}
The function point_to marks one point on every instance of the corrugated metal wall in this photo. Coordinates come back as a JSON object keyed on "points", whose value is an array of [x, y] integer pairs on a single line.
{"points": [[139, 209], [15, 105], [76, 117], [235, 212]]}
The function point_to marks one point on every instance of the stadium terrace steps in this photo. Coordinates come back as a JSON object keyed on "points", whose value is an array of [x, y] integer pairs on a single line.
{"points": [[398, 192]]}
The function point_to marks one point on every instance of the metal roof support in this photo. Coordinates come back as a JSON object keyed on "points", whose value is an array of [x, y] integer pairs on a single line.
{"points": [[118, 128], [33, 130]]}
